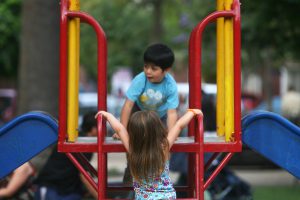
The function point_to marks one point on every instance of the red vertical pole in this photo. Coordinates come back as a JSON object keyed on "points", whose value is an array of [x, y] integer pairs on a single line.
{"points": [[199, 190], [63, 73], [101, 169], [237, 69], [191, 158], [195, 69], [102, 92], [195, 61]]}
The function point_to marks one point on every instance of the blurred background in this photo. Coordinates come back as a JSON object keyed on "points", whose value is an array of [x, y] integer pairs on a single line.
{"points": [[29, 55]]}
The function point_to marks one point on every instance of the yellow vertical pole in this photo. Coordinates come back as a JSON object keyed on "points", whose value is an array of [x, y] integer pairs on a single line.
{"points": [[73, 73], [229, 74], [220, 72]]}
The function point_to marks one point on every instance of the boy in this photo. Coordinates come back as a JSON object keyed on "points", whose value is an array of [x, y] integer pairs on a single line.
{"points": [[154, 88]]}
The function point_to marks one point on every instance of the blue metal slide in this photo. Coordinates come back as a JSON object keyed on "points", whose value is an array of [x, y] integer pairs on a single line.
{"points": [[275, 138], [23, 138]]}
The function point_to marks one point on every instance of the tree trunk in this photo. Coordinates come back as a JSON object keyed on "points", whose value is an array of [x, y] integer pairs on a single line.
{"points": [[157, 21], [39, 57]]}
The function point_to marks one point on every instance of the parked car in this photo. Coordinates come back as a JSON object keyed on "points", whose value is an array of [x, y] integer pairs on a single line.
{"points": [[7, 105]]}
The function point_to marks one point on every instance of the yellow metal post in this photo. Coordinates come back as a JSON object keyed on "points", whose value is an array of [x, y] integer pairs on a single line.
{"points": [[73, 73], [220, 72], [229, 75]]}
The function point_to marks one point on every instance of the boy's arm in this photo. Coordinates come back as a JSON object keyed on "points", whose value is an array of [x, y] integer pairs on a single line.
{"points": [[172, 118], [125, 114], [18, 179], [118, 128], [126, 111], [180, 124]]}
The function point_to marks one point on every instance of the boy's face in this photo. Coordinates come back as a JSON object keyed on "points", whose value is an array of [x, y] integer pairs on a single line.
{"points": [[154, 73]]}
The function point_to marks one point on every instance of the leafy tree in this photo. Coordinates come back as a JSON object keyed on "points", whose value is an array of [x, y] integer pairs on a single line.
{"points": [[270, 38], [127, 31], [271, 30], [10, 11], [130, 26]]}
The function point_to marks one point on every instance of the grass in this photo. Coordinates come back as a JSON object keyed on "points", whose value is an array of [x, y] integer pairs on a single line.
{"points": [[276, 192]]}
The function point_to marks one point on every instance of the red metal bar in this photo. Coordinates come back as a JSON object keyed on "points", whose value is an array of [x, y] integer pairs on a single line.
{"points": [[195, 59], [191, 158], [63, 63], [195, 45], [82, 170], [102, 92], [183, 147], [199, 137], [102, 63], [101, 54], [211, 159], [86, 163], [218, 169], [223, 147], [237, 69], [101, 161]]}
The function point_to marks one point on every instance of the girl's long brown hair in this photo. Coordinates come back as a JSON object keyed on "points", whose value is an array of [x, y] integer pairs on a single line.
{"points": [[147, 145]]}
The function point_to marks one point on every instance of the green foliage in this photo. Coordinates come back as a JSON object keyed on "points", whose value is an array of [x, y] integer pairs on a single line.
{"points": [[270, 30], [181, 17], [9, 36], [129, 29]]}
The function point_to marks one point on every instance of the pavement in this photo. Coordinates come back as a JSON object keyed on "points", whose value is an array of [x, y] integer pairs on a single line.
{"points": [[255, 177]]}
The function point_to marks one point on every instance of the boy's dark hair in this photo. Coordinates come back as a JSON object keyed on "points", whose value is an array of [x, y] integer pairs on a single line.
{"points": [[88, 122], [160, 55]]}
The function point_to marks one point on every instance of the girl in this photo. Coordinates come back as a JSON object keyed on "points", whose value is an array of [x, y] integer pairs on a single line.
{"points": [[148, 145]]}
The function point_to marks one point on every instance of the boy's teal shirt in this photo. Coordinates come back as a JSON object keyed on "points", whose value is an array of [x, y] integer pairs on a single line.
{"points": [[159, 97]]}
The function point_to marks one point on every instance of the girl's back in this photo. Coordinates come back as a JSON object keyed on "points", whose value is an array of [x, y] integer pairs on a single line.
{"points": [[159, 187], [148, 144], [149, 157]]}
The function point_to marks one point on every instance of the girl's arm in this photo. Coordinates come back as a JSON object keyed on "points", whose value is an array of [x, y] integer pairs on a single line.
{"points": [[180, 124], [118, 127]]}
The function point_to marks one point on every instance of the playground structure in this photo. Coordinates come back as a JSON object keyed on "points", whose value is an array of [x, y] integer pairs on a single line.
{"points": [[227, 141], [229, 130]]}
